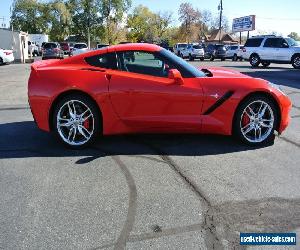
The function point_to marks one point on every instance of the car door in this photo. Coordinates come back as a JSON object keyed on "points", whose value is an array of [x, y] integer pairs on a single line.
{"points": [[269, 51], [283, 50], [147, 100]]}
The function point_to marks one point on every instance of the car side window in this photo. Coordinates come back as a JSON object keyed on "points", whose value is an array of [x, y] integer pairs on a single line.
{"points": [[273, 43], [107, 61], [142, 62]]}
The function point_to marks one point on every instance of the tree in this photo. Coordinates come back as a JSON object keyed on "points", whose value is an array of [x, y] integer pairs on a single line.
{"points": [[294, 35], [61, 20], [112, 15], [28, 16], [188, 16], [144, 25]]}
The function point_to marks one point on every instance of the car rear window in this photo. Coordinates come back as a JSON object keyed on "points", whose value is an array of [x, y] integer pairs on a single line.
{"points": [[253, 42], [80, 46], [234, 47], [50, 45]]}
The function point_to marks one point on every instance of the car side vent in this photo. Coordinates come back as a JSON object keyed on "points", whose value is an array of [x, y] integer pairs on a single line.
{"points": [[207, 72]]}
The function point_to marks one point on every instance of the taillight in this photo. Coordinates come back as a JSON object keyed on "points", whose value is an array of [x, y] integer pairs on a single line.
{"points": [[7, 53], [244, 49], [56, 49]]}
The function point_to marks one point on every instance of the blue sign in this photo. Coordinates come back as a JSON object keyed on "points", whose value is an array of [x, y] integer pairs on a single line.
{"points": [[246, 23]]}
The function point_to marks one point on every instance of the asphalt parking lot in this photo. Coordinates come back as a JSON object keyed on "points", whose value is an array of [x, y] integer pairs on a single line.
{"points": [[144, 191]]}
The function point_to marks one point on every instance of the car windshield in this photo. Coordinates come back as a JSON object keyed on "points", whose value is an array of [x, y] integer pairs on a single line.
{"points": [[197, 47], [182, 63], [182, 45], [80, 46], [292, 42], [50, 45]]}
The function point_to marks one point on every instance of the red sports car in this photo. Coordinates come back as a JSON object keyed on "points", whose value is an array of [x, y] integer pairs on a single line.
{"points": [[143, 88]]}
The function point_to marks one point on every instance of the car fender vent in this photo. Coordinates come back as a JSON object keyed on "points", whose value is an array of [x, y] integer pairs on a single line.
{"points": [[207, 72]]}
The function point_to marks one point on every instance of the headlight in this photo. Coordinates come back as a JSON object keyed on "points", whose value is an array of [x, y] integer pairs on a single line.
{"points": [[275, 86]]}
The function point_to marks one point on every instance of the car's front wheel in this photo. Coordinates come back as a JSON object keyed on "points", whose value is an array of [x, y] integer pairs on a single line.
{"points": [[296, 61], [254, 60], [255, 120], [76, 121]]}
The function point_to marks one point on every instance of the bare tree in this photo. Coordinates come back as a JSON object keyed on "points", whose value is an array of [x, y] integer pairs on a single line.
{"points": [[188, 16]]}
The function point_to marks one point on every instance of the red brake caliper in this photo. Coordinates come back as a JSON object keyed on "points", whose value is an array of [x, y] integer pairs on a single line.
{"points": [[86, 124], [245, 120]]}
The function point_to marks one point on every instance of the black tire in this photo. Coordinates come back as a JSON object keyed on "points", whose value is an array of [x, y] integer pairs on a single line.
{"points": [[1, 61], [97, 119], [265, 64], [191, 58], [254, 60], [212, 58], [223, 59], [201, 59], [239, 114], [296, 61], [235, 58]]}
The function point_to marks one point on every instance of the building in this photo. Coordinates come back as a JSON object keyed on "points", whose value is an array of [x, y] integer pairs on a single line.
{"points": [[220, 36], [16, 41]]}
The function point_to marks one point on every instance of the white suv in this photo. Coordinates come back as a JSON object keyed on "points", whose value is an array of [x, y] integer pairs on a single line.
{"points": [[234, 52], [272, 49], [193, 51], [179, 47]]}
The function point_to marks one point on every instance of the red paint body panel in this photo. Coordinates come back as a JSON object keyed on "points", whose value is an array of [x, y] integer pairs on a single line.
{"points": [[136, 103]]}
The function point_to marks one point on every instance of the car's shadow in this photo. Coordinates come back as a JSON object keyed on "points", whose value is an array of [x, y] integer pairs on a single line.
{"points": [[24, 139]]}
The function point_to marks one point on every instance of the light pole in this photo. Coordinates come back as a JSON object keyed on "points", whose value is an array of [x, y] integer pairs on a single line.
{"points": [[220, 23]]}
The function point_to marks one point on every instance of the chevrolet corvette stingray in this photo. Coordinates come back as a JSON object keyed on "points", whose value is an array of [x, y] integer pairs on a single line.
{"points": [[143, 88]]}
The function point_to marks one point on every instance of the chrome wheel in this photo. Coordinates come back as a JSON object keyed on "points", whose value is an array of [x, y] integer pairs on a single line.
{"points": [[75, 123], [257, 121]]}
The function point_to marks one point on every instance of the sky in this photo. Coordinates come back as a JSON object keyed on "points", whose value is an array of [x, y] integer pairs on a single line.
{"points": [[271, 15]]}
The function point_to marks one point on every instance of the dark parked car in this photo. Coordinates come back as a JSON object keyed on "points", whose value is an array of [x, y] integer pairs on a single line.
{"points": [[52, 51], [215, 51], [66, 48]]}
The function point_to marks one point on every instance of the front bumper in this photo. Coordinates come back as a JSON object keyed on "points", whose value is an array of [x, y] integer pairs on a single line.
{"points": [[285, 106]]}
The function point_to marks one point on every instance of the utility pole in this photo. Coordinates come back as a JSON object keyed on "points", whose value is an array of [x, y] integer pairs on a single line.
{"points": [[220, 23]]}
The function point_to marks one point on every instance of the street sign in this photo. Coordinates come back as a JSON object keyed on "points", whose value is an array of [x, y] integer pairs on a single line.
{"points": [[246, 23]]}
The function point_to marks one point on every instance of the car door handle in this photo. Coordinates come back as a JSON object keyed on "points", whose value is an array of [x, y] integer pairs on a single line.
{"points": [[108, 76]]}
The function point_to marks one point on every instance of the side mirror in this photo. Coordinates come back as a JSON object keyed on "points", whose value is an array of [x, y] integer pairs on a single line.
{"points": [[175, 75], [285, 45]]}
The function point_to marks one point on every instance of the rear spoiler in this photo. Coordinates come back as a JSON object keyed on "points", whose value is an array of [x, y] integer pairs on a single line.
{"points": [[43, 63]]}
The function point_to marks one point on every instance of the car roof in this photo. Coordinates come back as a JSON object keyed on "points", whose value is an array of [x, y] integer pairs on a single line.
{"points": [[114, 48], [135, 46]]}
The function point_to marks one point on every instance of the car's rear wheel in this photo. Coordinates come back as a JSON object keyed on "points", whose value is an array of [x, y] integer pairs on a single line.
{"points": [[202, 59], [255, 120], [254, 60], [1, 61], [76, 121], [235, 58], [296, 61], [212, 58]]}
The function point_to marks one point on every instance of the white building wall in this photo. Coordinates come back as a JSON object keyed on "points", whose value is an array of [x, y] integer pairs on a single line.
{"points": [[16, 41]]}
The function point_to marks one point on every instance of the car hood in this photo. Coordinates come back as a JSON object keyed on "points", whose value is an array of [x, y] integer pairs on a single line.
{"points": [[222, 72]]}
